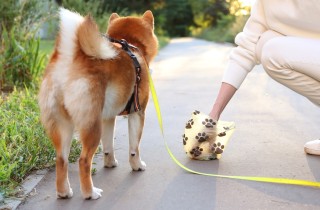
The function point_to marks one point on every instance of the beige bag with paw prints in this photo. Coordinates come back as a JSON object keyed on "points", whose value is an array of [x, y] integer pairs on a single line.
{"points": [[205, 138]]}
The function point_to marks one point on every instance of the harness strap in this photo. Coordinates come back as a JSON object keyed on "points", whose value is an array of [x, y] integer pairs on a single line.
{"points": [[134, 99]]}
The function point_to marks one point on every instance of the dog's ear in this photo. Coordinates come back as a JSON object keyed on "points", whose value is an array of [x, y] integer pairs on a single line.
{"points": [[113, 16], [148, 16]]}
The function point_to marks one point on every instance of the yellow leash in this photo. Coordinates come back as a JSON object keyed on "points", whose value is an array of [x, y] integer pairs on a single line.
{"points": [[248, 178]]}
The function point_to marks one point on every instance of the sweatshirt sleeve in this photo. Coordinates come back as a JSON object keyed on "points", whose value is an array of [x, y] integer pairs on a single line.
{"points": [[242, 58]]}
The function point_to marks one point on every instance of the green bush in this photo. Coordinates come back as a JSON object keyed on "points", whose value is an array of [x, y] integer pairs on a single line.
{"points": [[24, 145], [98, 9], [228, 27], [20, 60]]}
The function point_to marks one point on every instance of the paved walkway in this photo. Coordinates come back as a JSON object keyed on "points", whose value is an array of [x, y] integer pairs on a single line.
{"points": [[273, 123]]}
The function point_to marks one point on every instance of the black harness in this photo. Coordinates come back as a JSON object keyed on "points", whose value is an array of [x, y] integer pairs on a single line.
{"points": [[134, 99]]}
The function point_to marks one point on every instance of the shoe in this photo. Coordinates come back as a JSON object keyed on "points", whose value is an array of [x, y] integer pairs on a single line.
{"points": [[312, 147]]}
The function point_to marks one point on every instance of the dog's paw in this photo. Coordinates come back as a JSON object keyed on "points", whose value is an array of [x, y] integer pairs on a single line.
{"points": [[109, 161], [111, 164], [96, 194], [138, 166], [65, 195]]}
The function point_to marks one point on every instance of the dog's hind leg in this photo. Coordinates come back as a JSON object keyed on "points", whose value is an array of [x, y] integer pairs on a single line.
{"points": [[136, 123], [61, 133], [90, 138], [107, 143]]}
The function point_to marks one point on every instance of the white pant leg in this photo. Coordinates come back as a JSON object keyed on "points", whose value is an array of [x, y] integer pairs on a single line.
{"points": [[292, 61]]}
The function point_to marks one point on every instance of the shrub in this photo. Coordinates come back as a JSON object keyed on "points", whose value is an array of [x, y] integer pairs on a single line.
{"points": [[97, 9], [21, 62], [228, 27]]}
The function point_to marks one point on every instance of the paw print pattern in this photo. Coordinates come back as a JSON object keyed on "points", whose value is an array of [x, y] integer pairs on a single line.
{"points": [[201, 137], [222, 134], [184, 139], [196, 112], [209, 123], [196, 151], [218, 148], [189, 124]]}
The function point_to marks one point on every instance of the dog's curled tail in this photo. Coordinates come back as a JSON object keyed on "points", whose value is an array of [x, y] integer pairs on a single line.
{"points": [[92, 42]]}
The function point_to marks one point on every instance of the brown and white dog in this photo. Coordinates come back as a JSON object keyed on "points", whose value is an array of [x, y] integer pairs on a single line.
{"points": [[87, 83]]}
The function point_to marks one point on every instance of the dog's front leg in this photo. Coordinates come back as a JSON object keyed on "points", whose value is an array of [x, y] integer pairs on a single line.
{"points": [[90, 138], [136, 123], [108, 143]]}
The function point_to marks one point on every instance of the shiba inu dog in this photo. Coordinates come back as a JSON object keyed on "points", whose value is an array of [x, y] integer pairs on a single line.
{"points": [[88, 81]]}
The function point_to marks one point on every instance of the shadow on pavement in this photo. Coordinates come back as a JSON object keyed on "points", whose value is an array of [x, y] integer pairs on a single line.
{"points": [[314, 163], [187, 190]]}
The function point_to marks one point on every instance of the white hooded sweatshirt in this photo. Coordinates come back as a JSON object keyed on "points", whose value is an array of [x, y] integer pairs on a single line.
{"points": [[300, 18]]}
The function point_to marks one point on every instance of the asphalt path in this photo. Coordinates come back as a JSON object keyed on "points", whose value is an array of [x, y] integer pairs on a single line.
{"points": [[272, 125]]}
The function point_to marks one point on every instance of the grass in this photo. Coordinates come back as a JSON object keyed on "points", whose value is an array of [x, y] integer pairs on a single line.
{"points": [[46, 46], [23, 144]]}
